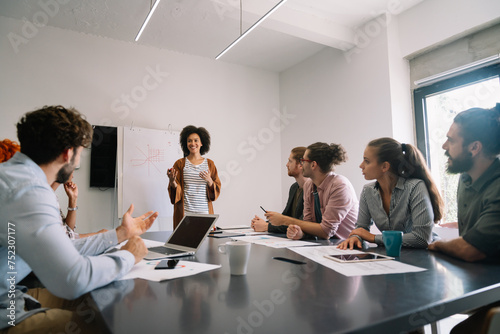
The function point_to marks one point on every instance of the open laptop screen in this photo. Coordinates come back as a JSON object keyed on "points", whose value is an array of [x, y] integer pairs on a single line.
{"points": [[191, 231]]}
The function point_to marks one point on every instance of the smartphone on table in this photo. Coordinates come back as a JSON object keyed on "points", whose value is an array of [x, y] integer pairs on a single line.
{"points": [[166, 264]]}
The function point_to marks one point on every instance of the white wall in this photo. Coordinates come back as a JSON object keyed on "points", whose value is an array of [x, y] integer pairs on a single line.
{"points": [[341, 98], [403, 125], [238, 105], [433, 22], [365, 93]]}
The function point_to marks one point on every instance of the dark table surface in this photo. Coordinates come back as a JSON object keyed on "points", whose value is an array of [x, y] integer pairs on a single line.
{"points": [[281, 297]]}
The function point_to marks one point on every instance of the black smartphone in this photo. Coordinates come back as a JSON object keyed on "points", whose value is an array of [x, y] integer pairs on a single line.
{"points": [[166, 264]]}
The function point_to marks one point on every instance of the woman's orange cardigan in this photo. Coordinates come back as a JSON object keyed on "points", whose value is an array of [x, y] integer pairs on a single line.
{"points": [[177, 194]]}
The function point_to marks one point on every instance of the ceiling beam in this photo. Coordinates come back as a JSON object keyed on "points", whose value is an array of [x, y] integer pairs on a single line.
{"points": [[296, 23]]}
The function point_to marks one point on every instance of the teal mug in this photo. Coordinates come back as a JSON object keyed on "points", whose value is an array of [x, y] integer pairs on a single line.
{"points": [[392, 241]]}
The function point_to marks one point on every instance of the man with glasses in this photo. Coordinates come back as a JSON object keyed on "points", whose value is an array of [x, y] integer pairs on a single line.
{"points": [[330, 203]]}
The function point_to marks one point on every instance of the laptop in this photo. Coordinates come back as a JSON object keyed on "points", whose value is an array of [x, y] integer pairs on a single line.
{"points": [[186, 238]]}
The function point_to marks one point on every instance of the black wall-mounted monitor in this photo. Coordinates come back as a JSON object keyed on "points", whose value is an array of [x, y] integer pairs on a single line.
{"points": [[103, 157]]}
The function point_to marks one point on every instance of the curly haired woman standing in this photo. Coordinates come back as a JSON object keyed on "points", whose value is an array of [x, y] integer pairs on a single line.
{"points": [[193, 180]]}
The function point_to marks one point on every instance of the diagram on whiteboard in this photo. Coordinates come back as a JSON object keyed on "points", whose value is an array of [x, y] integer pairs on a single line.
{"points": [[147, 155], [152, 157]]}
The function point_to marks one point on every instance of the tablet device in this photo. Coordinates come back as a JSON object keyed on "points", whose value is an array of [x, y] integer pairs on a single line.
{"points": [[360, 257]]}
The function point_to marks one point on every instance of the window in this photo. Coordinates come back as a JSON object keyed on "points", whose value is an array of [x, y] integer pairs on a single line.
{"points": [[435, 107]]}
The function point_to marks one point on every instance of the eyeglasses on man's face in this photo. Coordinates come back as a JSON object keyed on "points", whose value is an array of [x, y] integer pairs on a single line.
{"points": [[302, 160]]}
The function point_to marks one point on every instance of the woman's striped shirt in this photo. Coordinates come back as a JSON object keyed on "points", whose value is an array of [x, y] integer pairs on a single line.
{"points": [[195, 188]]}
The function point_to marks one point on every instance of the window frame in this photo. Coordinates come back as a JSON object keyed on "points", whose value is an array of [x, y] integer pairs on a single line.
{"points": [[420, 94]]}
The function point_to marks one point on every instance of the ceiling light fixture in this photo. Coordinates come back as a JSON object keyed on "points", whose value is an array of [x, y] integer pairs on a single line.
{"points": [[147, 20], [251, 28]]}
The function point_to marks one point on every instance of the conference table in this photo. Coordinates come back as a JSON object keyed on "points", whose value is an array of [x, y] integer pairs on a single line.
{"points": [[282, 297]]}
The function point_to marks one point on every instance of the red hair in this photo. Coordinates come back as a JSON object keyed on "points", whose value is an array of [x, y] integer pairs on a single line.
{"points": [[7, 149]]}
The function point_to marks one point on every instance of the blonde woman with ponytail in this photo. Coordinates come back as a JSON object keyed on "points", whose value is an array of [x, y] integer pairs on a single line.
{"points": [[402, 198]]}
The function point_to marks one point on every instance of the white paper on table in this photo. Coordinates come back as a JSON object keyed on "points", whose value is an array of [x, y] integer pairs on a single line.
{"points": [[247, 231], [274, 242], [318, 253], [146, 270]]}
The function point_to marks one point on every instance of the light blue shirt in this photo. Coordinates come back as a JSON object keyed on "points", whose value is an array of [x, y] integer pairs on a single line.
{"points": [[410, 212], [32, 239]]}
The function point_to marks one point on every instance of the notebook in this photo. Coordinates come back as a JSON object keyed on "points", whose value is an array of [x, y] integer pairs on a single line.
{"points": [[186, 238]]}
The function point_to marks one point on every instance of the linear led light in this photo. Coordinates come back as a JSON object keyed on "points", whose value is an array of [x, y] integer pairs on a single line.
{"points": [[147, 20], [459, 70], [251, 28]]}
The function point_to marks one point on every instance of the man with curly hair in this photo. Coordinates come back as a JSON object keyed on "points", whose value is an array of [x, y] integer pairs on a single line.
{"points": [[330, 202], [32, 237]]}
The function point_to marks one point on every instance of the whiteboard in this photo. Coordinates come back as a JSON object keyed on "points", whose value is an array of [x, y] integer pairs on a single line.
{"points": [[145, 155]]}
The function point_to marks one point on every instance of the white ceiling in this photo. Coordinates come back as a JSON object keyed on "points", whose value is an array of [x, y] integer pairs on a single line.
{"points": [[297, 30]]}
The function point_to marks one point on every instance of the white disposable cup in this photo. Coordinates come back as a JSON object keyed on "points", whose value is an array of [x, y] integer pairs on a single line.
{"points": [[239, 253]]}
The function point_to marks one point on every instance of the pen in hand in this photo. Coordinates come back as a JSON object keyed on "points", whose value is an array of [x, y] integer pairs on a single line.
{"points": [[263, 209]]}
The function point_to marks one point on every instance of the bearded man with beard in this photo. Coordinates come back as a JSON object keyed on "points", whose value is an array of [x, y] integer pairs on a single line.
{"points": [[32, 237], [472, 147], [295, 203]]}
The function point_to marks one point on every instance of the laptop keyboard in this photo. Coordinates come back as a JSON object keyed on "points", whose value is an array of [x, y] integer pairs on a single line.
{"points": [[165, 250]]}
